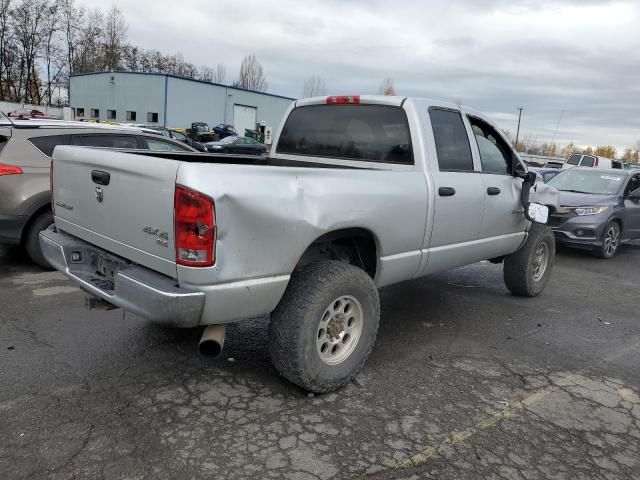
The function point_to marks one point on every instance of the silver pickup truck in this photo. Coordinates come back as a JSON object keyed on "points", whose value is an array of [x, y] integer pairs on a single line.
{"points": [[358, 192]]}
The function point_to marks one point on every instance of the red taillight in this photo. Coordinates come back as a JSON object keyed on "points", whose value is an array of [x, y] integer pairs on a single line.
{"points": [[343, 99], [195, 228], [596, 161], [9, 170]]}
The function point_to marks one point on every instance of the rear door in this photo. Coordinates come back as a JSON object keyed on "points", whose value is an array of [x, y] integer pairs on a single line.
{"points": [[121, 202], [459, 194]]}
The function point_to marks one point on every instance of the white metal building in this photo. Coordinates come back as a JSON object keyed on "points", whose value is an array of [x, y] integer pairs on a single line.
{"points": [[171, 101]]}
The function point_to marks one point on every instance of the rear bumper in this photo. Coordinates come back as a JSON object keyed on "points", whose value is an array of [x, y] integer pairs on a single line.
{"points": [[11, 227], [142, 291]]}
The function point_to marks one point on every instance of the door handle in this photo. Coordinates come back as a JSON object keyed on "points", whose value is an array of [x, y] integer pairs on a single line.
{"points": [[446, 191], [100, 177], [493, 191]]}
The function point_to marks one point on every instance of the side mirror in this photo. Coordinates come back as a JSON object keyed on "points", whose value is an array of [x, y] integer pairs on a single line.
{"points": [[537, 213], [635, 195]]}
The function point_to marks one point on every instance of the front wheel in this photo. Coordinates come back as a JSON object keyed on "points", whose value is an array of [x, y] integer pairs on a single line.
{"points": [[610, 240], [527, 271], [325, 326]]}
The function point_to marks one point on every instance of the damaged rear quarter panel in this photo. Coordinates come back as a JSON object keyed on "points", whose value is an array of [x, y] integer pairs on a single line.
{"points": [[267, 216]]}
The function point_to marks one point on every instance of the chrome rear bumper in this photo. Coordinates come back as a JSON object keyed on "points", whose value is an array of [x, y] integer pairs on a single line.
{"points": [[142, 291]]}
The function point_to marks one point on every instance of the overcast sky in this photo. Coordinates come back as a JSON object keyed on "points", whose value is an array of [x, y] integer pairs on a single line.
{"points": [[575, 58]]}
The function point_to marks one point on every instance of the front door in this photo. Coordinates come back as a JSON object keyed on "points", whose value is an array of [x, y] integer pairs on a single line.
{"points": [[459, 195], [504, 223], [632, 210]]}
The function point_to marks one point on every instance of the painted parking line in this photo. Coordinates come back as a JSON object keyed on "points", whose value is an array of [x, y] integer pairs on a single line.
{"points": [[457, 438]]}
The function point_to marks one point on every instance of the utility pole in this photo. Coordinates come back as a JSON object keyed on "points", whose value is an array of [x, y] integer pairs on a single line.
{"points": [[557, 125], [518, 131]]}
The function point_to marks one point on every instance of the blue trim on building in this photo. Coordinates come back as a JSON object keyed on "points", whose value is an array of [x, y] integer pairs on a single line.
{"points": [[167, 76], [166, 98]]}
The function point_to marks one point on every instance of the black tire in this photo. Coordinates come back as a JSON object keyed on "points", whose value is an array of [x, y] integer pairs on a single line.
{"points": [[294, 331], [522, 274], [32, 239], [609, 246]]}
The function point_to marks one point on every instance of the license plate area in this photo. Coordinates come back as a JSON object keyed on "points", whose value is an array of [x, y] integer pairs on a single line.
{"points": [[105, 268]]}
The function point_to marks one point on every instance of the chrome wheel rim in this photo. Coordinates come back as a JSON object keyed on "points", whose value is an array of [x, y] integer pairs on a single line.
{"points": [[540, 261], [611, 239], [339, 330]]}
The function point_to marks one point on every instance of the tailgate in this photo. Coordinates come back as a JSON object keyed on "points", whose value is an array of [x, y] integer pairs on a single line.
{"points": [[121, 202]]}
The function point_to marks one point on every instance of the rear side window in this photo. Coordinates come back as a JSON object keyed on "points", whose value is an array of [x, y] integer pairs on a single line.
{"points": [[588, 161], [108, 141], [47, 144], [574, 159], [370, 133], [452, 142], [161, 146]]}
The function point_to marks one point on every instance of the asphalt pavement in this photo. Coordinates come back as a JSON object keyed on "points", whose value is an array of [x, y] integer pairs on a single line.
{"points": [[465, 381]]}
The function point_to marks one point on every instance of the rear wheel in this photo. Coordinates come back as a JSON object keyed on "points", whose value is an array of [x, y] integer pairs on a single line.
{"points": [[527, 271], [32, 238], [325, 326], [610, 240]]}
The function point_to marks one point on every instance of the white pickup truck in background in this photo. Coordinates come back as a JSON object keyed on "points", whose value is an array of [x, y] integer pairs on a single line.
{"points": [[356, 194]]}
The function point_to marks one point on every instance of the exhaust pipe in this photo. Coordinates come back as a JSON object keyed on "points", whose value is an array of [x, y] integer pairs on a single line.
{"points": [[212, 341]]}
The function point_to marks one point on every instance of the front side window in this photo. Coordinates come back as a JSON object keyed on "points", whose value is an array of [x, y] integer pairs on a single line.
{"points": [[369, 133], [161, 146], [588, 161], [574, 159], [107, 141], [634, 184], [452, 142], [495, 155], [47, 144]]}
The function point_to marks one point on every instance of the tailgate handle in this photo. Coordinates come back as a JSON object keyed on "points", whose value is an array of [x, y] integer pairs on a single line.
{"points": [[100, 177]]}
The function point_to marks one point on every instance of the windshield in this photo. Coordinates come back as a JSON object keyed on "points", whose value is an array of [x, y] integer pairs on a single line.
{"points": [[595, 182]]}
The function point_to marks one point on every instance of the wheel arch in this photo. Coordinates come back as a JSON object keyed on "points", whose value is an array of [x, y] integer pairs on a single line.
{"points": [[38, 208], [354, 245]]}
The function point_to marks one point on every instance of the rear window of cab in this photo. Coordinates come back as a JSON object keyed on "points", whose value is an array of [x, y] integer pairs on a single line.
{"points": [[369, 133]]}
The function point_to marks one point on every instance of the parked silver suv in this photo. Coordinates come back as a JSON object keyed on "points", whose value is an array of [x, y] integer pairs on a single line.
{"points": [[26, 147]]}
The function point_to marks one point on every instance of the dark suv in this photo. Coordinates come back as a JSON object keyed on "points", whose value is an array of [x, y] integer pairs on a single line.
{"points": [[26, 147]]}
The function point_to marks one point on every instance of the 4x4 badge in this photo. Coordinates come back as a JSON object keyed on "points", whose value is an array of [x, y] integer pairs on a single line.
{"points": [[99, 194]]}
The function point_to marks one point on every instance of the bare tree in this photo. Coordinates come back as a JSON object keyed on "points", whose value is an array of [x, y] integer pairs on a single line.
{"points": [[4, 37], [251, 75], [51, 49], [115, 32], [314, 86], [219, 73], [28, 18], [386, 87]]}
